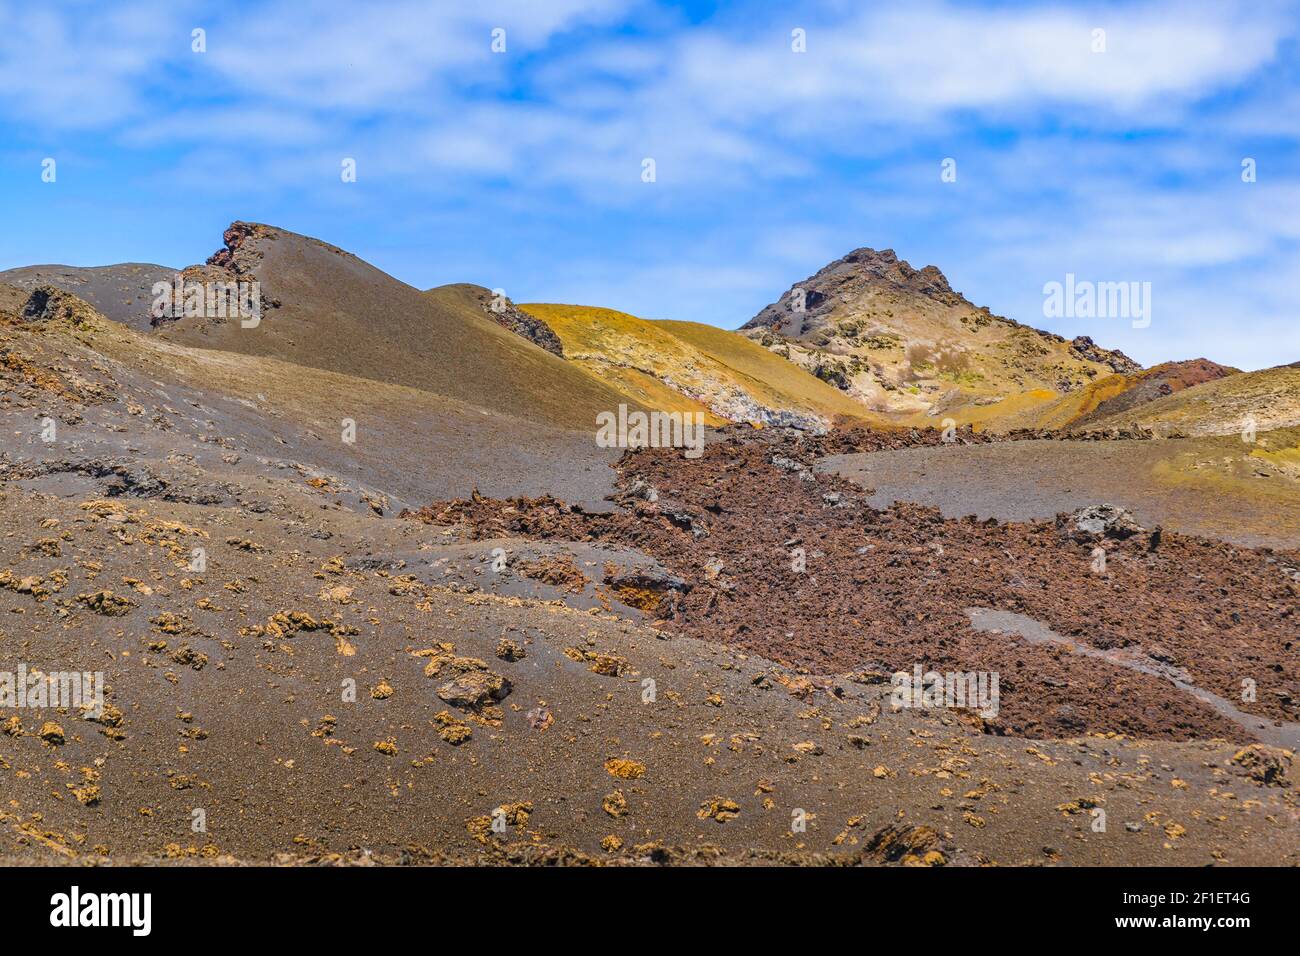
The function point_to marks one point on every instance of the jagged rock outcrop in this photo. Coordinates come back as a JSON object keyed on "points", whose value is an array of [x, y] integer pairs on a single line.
{"points": [[238, 256], [1084, 347], [845, 278], [506, 314], [1106, 520], [48, 304]]}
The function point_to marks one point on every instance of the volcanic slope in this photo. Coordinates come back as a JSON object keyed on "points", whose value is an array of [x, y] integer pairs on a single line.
{"points": [[123, 292], [374, 444], [1114, 396], [692, 367], [1214, 486], [1269, 398], [904, 343], [798, 567], [519, 691], [327, 309]]}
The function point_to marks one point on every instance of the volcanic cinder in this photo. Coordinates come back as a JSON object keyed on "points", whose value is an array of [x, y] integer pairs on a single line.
{"points": [[362, 585]]}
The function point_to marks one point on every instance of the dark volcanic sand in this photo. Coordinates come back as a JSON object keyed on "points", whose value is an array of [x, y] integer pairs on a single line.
{"points": [[1027, 480]]}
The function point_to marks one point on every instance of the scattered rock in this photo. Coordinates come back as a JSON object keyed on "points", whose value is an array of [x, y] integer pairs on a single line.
{"points": [[615, 804], [1267, 766], [1106, 520], [107, 603], [908, 845], [451, 728], [474, 689], [718, 808], [508, 650], [625, 769]]}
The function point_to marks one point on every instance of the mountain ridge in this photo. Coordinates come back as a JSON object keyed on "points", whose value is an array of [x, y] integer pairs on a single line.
{"points": [[868, 336]]}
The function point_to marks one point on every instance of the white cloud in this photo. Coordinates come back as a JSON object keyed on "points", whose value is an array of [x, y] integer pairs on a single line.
{"points": [[905, 63], [86, 67], [378, 55], [770, 163]]}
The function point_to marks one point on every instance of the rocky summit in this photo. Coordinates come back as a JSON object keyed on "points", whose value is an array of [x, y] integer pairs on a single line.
{"points": [[902, 342]]}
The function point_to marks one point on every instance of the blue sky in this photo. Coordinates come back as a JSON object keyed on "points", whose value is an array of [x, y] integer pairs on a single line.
{"points": [[523, 169]]}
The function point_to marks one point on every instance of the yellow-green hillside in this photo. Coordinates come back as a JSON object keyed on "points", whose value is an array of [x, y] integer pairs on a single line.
{"points": [[687, 366], [1048, 410], [769, 377], [1268, 399]]}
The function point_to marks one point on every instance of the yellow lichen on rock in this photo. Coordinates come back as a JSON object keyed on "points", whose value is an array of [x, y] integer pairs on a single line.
{"points": [[624, 769]]}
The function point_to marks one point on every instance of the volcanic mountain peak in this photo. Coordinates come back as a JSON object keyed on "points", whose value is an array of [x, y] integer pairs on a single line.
{"points": [[903, 342], [883, 268], [332, 310], [862, 271]]}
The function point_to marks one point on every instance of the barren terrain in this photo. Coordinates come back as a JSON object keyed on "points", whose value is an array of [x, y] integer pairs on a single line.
{"points": [[459, 631]]}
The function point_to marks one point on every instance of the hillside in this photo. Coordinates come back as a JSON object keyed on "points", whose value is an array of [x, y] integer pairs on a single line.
{"points": [[123, 292], [504, 313], [1117, 395], [191, 522], [1271, 397], [904, 343], [687, 366], [412, 443], [327, 309]]}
